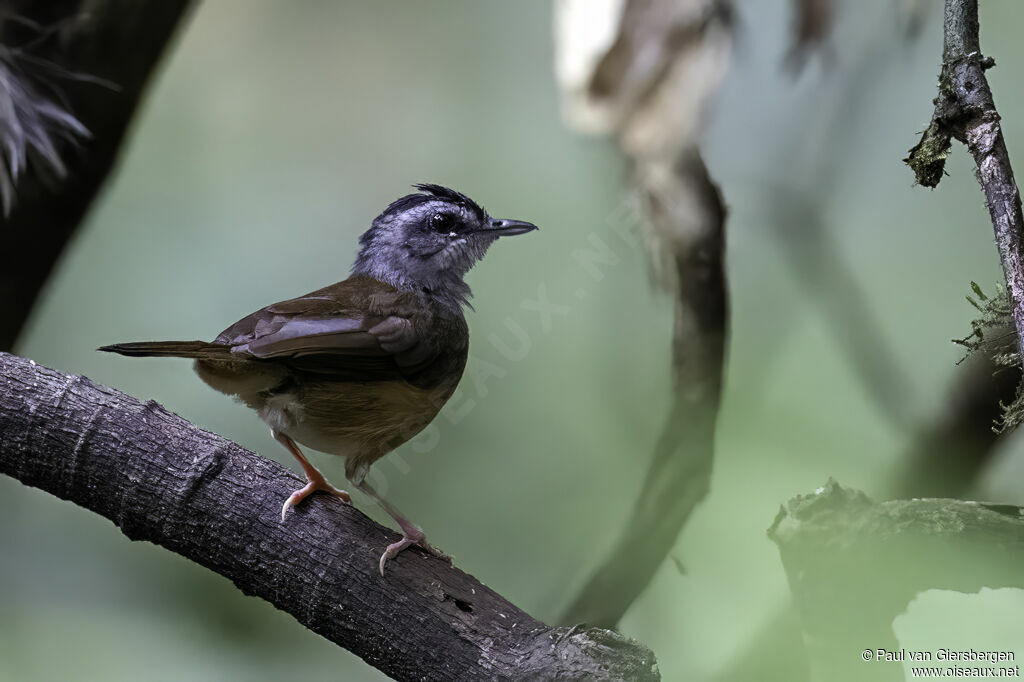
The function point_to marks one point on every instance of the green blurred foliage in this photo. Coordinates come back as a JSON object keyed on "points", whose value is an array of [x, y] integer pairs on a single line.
{"points": [[277, 131]]}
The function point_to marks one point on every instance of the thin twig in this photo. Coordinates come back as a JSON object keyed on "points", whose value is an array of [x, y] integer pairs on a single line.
{"points": [[965, 110], [160, 478]]}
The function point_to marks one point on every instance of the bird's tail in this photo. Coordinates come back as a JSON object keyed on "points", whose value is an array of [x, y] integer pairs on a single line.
{"points": [[175, 349]]}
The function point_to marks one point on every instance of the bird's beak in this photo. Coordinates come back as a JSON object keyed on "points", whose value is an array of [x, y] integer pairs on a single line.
{"points": [[507, 228]]}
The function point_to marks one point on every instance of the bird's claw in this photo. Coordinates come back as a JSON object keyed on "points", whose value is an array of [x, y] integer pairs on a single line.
{"points": [[408, 540], [310, 488]]}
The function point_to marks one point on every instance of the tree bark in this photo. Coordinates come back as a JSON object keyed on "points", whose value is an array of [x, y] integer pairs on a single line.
{"points": [[115, 45], [854, 565], [161, 479]]}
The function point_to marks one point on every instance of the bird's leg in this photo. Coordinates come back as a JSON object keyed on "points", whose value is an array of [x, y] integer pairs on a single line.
{"points": [[313, 475], [411, 533]]}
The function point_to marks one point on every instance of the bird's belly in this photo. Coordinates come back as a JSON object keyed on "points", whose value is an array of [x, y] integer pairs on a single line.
{"points": [[241, 378], [353, 419]]}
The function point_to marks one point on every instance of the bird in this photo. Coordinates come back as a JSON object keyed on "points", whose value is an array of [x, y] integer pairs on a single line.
{"points": [[361, 366]]}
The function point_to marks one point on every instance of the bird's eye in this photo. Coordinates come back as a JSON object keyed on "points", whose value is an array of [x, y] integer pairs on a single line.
{"points": [[442, 222]]}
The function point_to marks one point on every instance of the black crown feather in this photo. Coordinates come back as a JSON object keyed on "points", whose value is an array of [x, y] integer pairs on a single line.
{"points": [[428, 192]]}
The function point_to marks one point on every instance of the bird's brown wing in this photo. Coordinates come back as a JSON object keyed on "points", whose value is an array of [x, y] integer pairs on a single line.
{"points": [[360, 329]]}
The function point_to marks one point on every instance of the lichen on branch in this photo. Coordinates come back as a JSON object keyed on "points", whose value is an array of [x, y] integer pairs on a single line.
{"points": [[993, 335]]}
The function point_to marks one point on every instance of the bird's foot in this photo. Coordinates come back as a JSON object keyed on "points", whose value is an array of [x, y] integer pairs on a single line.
{"points": [[412, 536], [315, 483]]}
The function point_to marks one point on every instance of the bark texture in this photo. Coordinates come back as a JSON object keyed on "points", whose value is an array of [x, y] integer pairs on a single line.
{"points": [[161, 479]]}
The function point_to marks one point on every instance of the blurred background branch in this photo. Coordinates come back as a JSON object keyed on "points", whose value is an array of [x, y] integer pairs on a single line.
{"points": [[72, 75], [853, 566], [649, 88], [949, 455], [679, 474], [163, 480]]}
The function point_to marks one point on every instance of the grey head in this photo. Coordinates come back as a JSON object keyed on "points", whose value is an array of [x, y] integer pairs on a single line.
{"points": [[428, 241]]}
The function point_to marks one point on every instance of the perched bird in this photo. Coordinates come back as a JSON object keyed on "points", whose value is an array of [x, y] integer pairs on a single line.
{"points": [[359, 367]]}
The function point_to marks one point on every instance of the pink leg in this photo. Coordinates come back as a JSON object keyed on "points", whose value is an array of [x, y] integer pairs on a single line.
{"points": [[411, 533], [315, 478]]}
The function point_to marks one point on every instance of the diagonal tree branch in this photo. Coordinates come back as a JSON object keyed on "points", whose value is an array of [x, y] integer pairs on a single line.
{"points": [[965, 110], [91, 61], [161, 479]]}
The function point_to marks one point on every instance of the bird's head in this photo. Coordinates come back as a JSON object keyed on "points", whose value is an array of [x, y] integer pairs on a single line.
{"points": [[429, 241]]}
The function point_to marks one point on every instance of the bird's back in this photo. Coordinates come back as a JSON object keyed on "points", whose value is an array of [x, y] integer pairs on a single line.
{"points": [[359, 362]]}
